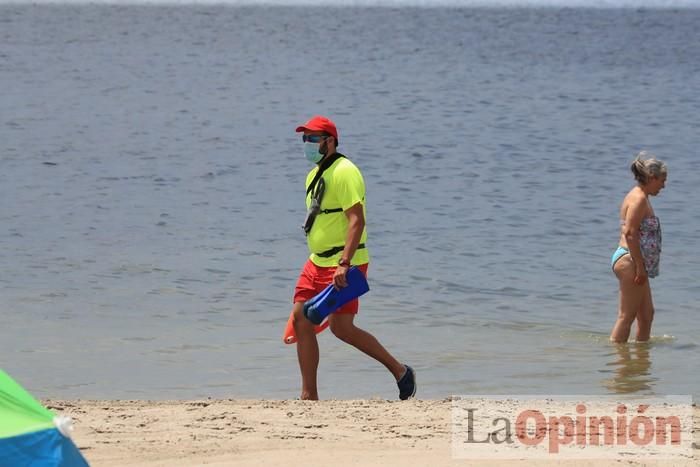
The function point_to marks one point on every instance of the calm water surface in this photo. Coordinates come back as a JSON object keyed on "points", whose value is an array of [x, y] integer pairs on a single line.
{"points": [[152, 193]]}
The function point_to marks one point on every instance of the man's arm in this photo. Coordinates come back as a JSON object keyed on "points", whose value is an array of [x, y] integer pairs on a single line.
{"points": [[356, 225]]}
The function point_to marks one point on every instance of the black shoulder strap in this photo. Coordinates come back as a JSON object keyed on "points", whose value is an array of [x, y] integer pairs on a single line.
{"points": [[322, 168]]}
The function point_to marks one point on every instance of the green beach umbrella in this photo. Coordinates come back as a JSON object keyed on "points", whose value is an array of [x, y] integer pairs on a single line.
{"points": [[30, 434]]}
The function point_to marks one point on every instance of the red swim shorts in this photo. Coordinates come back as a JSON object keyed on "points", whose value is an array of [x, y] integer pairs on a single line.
{"points": [[313, 279]]}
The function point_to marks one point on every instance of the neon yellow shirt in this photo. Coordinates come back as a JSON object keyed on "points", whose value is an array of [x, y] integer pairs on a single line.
{"points": [[345, 187]]}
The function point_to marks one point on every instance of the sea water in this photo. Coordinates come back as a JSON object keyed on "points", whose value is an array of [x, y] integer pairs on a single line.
{"points": [[152, 195]]}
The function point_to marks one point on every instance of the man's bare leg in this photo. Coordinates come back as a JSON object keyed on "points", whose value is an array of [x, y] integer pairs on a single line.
{"points": [[307, 352], [343, 327]]}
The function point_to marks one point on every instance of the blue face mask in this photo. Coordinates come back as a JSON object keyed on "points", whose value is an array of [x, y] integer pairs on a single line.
{"points": [[311, 151]]}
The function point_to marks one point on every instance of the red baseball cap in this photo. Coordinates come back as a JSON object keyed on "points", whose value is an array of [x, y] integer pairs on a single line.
{"points": [[320, 123]]}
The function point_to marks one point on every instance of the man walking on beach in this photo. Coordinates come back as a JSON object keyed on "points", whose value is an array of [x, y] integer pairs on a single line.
{"points": [[336, 237]]}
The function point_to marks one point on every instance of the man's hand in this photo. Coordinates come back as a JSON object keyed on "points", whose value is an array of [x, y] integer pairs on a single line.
{"points": [[340, 279]]}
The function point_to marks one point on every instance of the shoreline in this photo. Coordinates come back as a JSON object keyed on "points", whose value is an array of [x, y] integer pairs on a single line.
{"points": [[233, 432]]}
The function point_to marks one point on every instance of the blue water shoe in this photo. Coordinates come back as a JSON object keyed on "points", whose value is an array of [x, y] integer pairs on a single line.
{"points": [[407, 384]]}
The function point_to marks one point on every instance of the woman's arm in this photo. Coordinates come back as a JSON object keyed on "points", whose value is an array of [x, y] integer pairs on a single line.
{"points": [[636, 211]]}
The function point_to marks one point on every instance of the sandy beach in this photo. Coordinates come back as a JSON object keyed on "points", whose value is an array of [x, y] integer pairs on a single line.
{"points": [[283, 432]]}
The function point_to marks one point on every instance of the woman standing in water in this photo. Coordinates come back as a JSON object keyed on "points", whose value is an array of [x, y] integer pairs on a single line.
{"points": [[637, 257]]}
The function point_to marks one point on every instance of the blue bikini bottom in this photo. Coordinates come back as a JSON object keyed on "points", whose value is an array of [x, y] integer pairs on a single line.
{"points": [[619, 253]]}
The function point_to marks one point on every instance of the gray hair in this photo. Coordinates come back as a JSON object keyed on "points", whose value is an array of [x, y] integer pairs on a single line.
{"points": [[646, 166]]}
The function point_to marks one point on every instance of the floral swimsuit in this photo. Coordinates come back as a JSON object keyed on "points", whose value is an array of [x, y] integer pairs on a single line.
{"points": [[650, 244]]}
